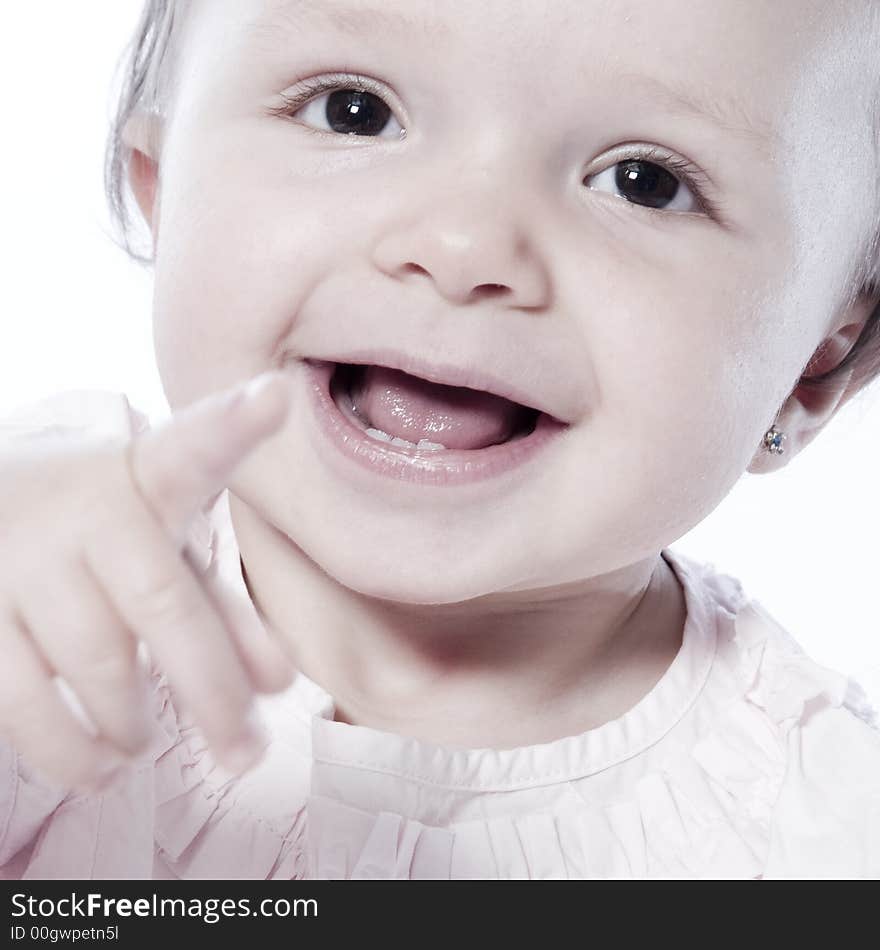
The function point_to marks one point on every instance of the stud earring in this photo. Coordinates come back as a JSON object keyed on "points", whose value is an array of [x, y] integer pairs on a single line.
{"points": [[773, 440]]}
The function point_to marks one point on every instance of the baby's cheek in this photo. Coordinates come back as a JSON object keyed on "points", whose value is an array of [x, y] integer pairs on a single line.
{"points": [[680, 389], [219, 306]]}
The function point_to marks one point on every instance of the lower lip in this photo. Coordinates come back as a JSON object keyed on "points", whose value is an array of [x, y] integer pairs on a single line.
{"points": [[430, 467]]}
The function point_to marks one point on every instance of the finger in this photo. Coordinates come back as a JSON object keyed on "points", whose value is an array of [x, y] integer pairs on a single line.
{"points": [[182, 465], [79, 633], [163, 603], [270, 669], [37, 720]]}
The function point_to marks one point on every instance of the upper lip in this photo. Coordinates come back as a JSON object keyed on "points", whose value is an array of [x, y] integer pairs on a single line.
{"points": [[461, 373]]}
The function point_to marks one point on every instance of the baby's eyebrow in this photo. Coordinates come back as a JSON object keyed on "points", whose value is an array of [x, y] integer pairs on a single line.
{"points": [[724, 111]]}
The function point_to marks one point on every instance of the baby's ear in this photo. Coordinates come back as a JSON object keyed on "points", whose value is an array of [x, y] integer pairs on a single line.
{"points": [[141, 133], [809, 408]]}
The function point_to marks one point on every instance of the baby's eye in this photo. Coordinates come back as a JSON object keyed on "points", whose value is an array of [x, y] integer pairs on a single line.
{"points": [[344, 110], [354, 105], [652, 184]]}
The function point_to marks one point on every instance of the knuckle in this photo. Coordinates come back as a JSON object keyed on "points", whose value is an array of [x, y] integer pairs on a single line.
{"points": [[111, 667], [162, 599], [153, 475], [221, 704], [28, 576], [108, 506]]}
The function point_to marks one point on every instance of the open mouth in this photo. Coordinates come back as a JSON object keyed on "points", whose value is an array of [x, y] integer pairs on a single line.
{"points": [[397, 408], [401, 428]]}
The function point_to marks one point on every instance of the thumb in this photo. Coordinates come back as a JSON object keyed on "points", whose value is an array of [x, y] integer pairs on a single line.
{"points": [[182, 465]]}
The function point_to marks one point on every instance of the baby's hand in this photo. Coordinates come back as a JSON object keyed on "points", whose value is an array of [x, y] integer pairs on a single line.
{"points": [[93, 560]]}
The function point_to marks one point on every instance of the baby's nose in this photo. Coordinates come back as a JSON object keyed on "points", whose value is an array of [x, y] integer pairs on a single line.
{"points": [[469, 251]]}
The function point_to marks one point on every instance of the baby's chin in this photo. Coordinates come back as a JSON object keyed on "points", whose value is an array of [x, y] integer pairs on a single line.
{"points": [[412, 561], [412, 577]]}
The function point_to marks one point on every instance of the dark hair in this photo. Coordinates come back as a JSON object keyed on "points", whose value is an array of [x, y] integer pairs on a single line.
{"points": [[146, 64]]}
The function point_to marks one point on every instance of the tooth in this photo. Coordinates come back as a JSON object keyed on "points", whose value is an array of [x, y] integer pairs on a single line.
{"points": [[423, 443]]}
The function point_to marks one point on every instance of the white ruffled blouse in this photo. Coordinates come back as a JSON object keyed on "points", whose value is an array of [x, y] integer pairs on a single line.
{"points": [[746, 760]]}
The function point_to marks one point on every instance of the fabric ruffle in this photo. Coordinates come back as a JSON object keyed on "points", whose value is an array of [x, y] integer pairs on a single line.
{"points": [[205, 827], [176, 805]]}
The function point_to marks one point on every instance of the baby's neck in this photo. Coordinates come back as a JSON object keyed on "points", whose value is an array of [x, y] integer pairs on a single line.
{"points": [[495, 672]]}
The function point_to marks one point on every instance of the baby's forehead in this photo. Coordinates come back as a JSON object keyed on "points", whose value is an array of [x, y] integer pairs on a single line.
{"points": [[588, 22], [735, 42]]}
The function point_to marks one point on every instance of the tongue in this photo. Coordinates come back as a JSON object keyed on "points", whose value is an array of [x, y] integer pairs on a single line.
{"points": [[415, 409]]}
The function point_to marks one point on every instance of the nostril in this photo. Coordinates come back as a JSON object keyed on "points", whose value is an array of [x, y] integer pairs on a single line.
{"points": [[488, 290], [412, 268]]}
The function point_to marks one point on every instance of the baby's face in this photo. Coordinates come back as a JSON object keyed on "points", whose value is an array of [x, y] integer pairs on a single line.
{"points": [[662, 315]]}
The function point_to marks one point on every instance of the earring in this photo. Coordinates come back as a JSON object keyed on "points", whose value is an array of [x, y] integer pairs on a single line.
{"points": [[773, 440]]}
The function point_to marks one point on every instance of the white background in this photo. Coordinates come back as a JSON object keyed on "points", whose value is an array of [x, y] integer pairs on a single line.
{"points": [[76, 314]]}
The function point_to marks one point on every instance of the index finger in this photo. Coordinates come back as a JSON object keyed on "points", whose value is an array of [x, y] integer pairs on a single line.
{"points": [[163, 603], [181, 465]]}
